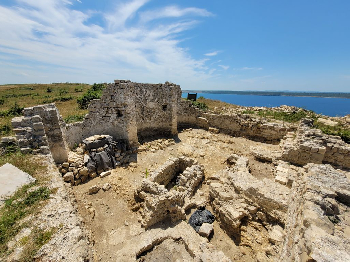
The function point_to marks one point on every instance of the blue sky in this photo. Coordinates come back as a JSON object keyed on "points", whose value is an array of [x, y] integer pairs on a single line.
{"points": [[198, 44]]}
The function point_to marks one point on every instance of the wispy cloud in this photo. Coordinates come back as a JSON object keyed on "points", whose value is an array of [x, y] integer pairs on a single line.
{"points": [[225, 67], [53, 34], [251, 68], [172, 12], [212, 53]]}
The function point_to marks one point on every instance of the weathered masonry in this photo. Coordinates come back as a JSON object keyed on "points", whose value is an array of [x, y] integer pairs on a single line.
{"points": [[129, 110], [126, 111]]}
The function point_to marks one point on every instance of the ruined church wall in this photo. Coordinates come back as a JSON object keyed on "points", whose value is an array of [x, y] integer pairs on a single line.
{"points": [[156, 108], [113, 114], [127, 110]]}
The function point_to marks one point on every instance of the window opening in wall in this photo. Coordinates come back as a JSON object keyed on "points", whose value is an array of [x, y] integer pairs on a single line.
{"points": [[119, 113], [164, 107]]}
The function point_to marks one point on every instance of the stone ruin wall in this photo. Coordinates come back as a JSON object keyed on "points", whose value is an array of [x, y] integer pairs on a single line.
{"points": [[233, 124], [129, 110], [156, 108], [113, 114], [310, 145], [40, 131]]}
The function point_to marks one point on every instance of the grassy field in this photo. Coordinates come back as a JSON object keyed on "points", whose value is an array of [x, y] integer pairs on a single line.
{"points": [[64, 95]]}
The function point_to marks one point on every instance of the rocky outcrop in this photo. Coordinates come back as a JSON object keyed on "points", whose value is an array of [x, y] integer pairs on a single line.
{"points": [[319, 214], [195, 247]]}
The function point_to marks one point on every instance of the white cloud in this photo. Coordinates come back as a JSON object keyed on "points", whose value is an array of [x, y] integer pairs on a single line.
{"points": [[172, 12], [50, 33], [251, 68], [212, 53], [225, 67]]}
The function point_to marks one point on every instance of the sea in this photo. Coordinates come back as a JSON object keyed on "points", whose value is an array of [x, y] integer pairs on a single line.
{"points": [[320, 105]]}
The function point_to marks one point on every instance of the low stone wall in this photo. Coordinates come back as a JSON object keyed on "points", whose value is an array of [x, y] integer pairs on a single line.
{"points": [[233, 124], [310, 145]]}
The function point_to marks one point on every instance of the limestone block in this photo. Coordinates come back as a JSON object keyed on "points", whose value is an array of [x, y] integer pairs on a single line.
{"points": [[45, 150], [214, 130], [268, 195], [276, 234], [38, 126], [206, 230], [203, 123], [69, 177], [106, 173], [94, 190], [36, 119], [16, 122]]}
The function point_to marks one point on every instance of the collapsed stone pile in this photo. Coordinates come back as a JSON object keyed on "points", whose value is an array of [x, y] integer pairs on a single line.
{"points": [[96, 155]]}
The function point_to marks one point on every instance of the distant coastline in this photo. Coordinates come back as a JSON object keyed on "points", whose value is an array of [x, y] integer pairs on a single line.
{"points": [[274, 93]]}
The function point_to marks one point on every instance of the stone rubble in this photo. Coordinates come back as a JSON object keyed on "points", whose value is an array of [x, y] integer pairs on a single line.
{"points": [[312, 146], [167, 189], [97, 156]]}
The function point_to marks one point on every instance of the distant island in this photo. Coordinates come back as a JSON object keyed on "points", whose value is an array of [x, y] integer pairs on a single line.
{"points": [[273, 93]]}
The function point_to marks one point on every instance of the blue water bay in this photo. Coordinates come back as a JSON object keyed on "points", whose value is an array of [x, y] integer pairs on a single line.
{"points": [[320, 105]]}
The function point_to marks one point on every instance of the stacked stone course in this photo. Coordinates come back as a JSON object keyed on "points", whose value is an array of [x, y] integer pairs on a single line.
{"points": [[310, 145], [40, 131]]}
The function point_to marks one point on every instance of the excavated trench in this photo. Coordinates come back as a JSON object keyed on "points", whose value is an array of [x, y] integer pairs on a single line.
{"points": [[151, 201]]}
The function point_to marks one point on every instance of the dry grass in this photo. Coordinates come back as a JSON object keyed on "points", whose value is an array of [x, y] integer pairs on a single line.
{"points": [[212, 104], [64, 95]]}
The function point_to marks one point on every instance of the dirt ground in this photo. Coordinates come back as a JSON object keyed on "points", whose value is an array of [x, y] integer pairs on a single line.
{"points": [[111, 221]]}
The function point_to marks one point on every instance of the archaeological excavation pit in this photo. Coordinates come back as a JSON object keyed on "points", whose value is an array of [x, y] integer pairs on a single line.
{"points": [[168, 191], [278, 191]]}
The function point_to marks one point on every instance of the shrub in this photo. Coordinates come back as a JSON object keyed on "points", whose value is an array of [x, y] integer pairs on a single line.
{"points": [[337, 130], [292, 117], [200, 105], [15, 110], [49, 90], [2, 101], [5, 129], [74, 118], [94, 92], [63, 92]]}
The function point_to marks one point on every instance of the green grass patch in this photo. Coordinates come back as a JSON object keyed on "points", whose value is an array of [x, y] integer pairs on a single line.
{"points": [[200, 105], [74, 118], [95, 92], [21, 204], [338, 130], [290, 117], [24, 162], [34, 242]]}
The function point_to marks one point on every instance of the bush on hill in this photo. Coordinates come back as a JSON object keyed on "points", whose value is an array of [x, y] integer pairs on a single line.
{"points": [[94, 92]]}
